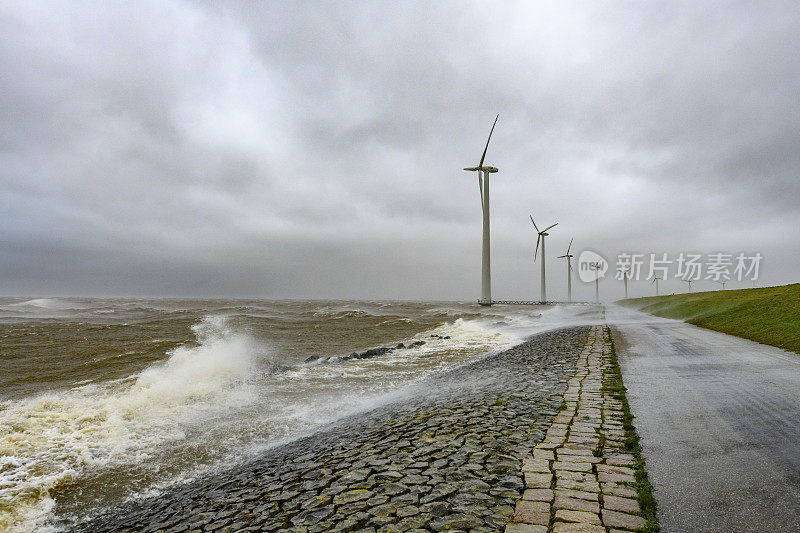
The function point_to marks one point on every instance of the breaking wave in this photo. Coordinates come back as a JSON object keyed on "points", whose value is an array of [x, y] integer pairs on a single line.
{"points": [[49, 439]]}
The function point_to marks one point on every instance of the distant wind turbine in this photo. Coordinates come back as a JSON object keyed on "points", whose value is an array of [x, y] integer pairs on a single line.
{"points": [[723, 282], [689, 282], [483, 187], [569, 268], [542, 235], [655, 280], [625, 275], [597, 266]]}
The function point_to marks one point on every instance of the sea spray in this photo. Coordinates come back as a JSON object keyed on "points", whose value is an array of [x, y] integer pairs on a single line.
{"points": [[235, 384], [50, 438]]}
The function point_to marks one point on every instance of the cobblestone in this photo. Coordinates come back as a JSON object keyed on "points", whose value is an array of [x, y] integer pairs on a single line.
{"points": [[449, 457], [580, 474]]}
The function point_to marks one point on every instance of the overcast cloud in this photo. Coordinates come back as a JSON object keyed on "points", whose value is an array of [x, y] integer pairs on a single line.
{"points": [[314, 149]]}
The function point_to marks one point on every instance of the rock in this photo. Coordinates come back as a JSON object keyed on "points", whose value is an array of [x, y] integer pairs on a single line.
{"points": [[503, 468], [436, 508], [414, 479], [383, 510], [477, 484], [622, 520], [351, 496], [532, 512], [388, 475], [373, 352], [575, 504], [511, 482], [377, 500], [391, 489], [625, 505], [358, 474], [575, 527], [312, 516], [455, 521], [565, 515], [408, 510], [380, 521], [417, 521], [525, 528]]}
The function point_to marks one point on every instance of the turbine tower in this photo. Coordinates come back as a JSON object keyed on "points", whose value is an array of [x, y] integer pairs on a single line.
{"points": [[655, 280], [569, 268], [542, 235], [625, 275], [597, 267], [483, 187]]}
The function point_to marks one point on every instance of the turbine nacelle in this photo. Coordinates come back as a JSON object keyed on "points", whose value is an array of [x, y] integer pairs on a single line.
{"points": [[542, 235], [568, 255], [480, 163]]}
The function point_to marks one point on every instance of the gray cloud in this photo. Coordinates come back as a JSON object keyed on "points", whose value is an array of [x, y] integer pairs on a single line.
{"points": [[315, 149]]}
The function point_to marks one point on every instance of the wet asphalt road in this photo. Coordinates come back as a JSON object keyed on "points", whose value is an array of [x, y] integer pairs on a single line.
{"points": [[719, 419]]}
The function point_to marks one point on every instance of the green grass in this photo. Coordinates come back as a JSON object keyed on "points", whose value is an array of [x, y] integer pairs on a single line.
{"points": [[613, 385], [770, 315]]}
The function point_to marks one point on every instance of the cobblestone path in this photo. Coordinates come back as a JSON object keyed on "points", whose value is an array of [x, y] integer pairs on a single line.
{"points": [[448, 457], [579, 478]]}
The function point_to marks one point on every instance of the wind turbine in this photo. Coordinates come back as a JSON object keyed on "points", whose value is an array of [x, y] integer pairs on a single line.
{"points": [[569, 267], [625, 275], [483, 187], [597, 266], [723, 282], [542, 235], [655, 280], [689, 282]]}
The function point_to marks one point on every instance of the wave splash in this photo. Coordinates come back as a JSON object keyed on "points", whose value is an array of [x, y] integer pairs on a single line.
{"points": [[49, 439]]}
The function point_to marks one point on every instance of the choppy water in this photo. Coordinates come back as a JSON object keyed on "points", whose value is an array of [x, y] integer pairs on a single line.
{"points": [[105, 400]]}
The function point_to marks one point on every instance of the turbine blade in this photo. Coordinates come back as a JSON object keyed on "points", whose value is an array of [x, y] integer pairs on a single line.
{"points": [[534, 224], [539, 236], [570, 245], [480, 187], [547, 228], [560, 256], [487, 141]]}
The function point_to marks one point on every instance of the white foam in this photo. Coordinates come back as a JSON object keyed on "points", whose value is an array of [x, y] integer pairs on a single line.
{"points": [[50, 438]]}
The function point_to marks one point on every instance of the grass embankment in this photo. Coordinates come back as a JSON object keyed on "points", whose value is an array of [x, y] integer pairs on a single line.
{"points": [[770, 315]]}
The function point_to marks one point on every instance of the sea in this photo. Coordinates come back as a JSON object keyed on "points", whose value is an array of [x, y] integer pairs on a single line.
{"points": [[108, 400]]}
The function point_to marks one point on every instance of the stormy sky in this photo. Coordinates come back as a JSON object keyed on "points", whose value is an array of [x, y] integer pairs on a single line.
{"points": [[315, 149]]}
